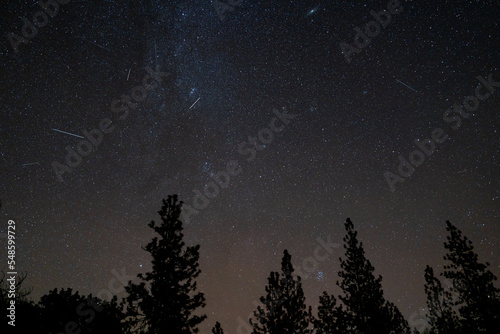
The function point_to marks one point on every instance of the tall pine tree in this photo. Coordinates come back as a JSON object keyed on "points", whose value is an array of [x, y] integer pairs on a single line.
{"points": [[217, 329], [367, 312], [441, 315], [478, 298], [165, 299], [331, 317], [284, 310]]}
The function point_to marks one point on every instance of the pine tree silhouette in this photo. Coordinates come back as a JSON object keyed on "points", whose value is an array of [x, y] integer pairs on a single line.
{"points": [[67, 311], [478, 298], [331, 317], [284, 310], [217, 329], [441, 315], [166, 297], [367, 312]]}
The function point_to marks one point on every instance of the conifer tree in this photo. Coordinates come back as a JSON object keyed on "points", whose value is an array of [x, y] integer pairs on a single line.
{"points": [[478, 298], [442, 317], [367, 311], [397, 321], [284, 310], [85, 315], [217, 329], [165, 299], [331, 317]]}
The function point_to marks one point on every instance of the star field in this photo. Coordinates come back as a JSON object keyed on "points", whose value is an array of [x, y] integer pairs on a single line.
{"points": [[224, 81]]}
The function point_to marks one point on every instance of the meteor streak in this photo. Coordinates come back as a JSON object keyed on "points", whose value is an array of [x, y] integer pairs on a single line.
{"points": [[194, 103], [100, 46], [71, 134], [30, 164], [406, 85]]}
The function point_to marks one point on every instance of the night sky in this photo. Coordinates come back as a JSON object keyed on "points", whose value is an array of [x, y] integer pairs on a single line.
{"points": [[217, 83]]}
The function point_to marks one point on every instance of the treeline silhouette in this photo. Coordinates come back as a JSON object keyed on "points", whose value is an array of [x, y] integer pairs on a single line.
{"points": [[166, 299]]}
